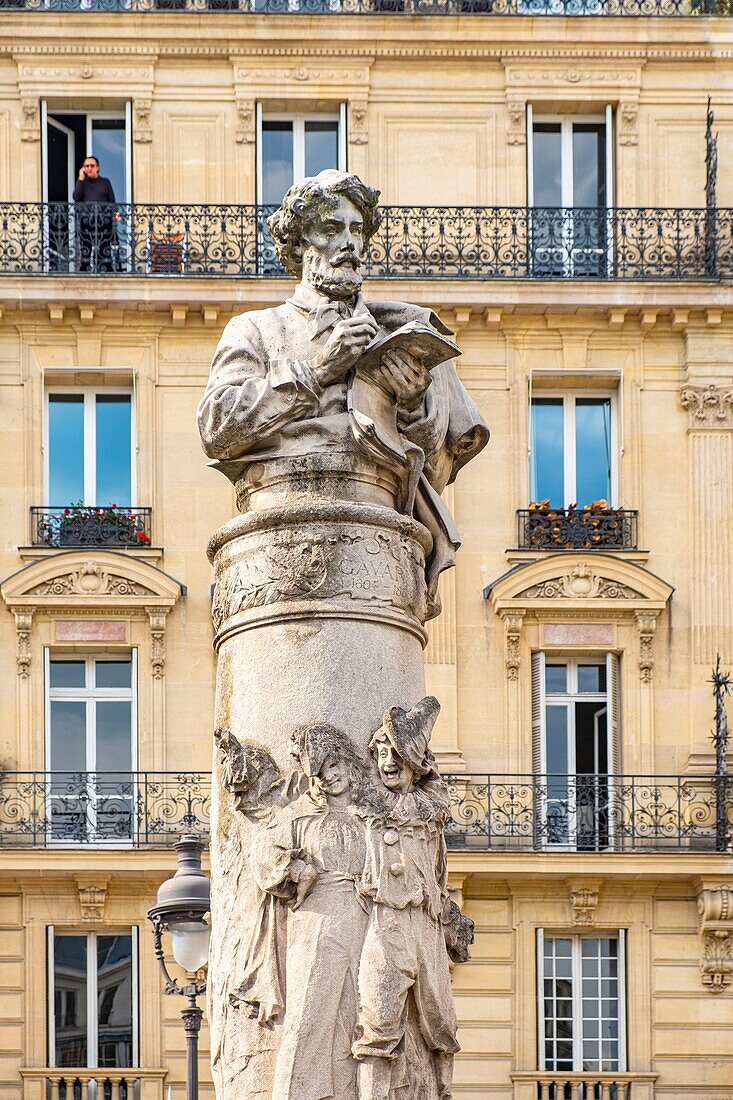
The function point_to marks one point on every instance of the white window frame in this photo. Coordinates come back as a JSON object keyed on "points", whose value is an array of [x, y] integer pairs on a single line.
{"points": [[566, 151], [299, 120], [569, 398], [124, 113], [577, 1018], [92, 993], [90, 393], [90, 696]]}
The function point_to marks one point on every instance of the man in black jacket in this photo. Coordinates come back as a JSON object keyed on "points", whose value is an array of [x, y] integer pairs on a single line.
{"points": [[95, 218]]}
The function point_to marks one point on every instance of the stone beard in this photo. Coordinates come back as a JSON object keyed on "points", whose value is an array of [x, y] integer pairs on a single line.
{"points": [[329, 866]]}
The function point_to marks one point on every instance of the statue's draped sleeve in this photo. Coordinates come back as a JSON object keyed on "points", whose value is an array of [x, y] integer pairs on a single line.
{"points": [[250, 397]]}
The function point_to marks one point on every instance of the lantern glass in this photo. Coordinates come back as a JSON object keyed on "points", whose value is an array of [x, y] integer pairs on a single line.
{"points": [[190, 944]]}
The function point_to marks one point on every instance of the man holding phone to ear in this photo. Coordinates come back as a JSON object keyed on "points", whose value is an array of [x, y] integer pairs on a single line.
{"points": [[94, 198]]}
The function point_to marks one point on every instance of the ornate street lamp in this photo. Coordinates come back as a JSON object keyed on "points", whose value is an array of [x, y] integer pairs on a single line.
{"points": [[181, 908]]}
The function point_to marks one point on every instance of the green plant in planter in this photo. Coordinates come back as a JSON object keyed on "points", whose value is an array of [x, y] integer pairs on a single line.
{"points": [[82, 525]]}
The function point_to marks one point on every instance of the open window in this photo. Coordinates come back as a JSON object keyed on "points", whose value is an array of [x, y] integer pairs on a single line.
{"points": [[570, 190]]}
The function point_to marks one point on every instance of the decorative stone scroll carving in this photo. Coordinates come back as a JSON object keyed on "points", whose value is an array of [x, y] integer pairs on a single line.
{"points": [[23, 624], [715, 910], [647, 622], [708, 406], [30, 127], [142, 130], [246, 122], [516, 127], [628, 116], [157, 641], [583, 583], [513, 634], [90, 579], [358, 133], [92, 902], [583, 905]]}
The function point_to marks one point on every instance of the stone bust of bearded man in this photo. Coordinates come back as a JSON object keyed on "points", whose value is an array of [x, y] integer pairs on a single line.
{"points": [[276, 398]]}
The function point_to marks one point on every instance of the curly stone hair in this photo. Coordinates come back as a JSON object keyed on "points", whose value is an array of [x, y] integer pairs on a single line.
{"points": [[305, 197]]}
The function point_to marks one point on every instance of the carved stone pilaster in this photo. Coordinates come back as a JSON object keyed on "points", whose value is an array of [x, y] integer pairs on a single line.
{"points": [[647, 624], [246, 125], [30, 127], [157, 642], [715, 909], [358, 133], [516, 125], [512, 634], [23, 624], [142, 130], [708, 406]]}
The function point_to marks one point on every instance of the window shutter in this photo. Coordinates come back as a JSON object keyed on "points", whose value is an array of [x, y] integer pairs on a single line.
{"points": [[614, 713], [538, 713]]}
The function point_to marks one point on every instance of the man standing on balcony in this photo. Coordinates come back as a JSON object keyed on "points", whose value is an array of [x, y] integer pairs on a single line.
{"points": [[95, 198]]}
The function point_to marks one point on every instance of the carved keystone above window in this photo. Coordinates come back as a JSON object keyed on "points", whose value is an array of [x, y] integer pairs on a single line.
{"points": [[605, 602], [715, 909], [81, 587]]}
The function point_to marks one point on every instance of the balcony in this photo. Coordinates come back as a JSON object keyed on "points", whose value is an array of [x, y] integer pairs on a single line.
{"points": [[565, 1085], [417, 242], [102, 809], [93, 1084], [577, 529], [388, 7], [78, 526], [518, 813], [590, 813]]}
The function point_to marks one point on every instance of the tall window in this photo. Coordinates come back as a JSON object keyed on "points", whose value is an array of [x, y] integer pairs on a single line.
{"points": [[581, 1000], [572, 450], [575, 719], [93, 999], [90, 748], [569, 189], [293, 146], [89, 448]]}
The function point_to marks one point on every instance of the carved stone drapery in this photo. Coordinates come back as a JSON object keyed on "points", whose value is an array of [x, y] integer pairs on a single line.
{"points": [[358, 133], [708, 406], [715, 910], [23, 624], [647, 622], [516, 126], [30, 127], [246, 122], [157, 636], [142, 129], [512, 634]]}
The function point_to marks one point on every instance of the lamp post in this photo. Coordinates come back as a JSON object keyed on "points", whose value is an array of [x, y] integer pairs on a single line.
{"points": [[181, 906]]}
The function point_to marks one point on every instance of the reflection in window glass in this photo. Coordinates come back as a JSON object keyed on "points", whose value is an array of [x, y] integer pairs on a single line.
{"points": [[591, 678], [547, 164], [589, 164], [556, 678], [114, 1000], [114, 721], [113, 674], [110, 148], [547, 459], [114, 449], [65, 448], [70, 1000], [593, 449], [321, 147], [277, 160], [68, 735], [67, 674]]}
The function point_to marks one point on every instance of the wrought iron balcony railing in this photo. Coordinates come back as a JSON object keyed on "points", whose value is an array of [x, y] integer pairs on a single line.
{"points": [[577, 529], [389, 7], [127, 809], [437, 242], [590, 813], [517, 813], [81, 526]]}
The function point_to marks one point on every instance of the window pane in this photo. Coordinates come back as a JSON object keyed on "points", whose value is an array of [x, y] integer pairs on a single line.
{"points": [[114, 449], [321, 147], [65, 448], [67, 674], [70, 1000], [277, 160], [557, 740], [114, 1000], [113, 674], [547, 168], [110, 148], [114, 752], [547, 462], [556, 678], [68, 736], [592, 678], [593, 449], [589, 164]]}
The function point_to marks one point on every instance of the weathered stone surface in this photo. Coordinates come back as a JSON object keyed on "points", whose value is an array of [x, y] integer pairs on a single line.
{"points": [[332, 926]]}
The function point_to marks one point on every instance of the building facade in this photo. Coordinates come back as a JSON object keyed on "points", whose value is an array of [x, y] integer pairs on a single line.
{"points": [[549, 176]]}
